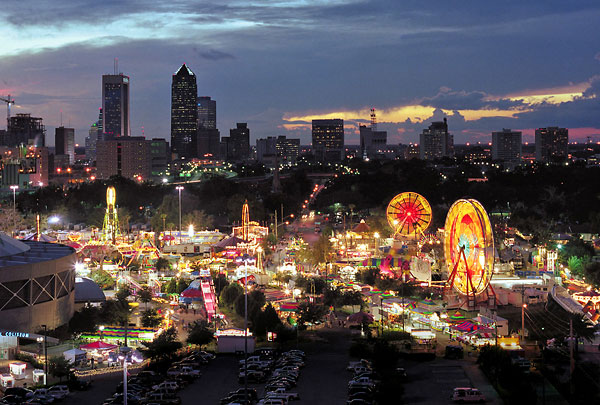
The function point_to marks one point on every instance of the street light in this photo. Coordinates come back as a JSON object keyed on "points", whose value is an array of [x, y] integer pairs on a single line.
{"points": [[101, 329], [45, 354], [14, 188], [123, 356], [179, 189], [523, 323]]}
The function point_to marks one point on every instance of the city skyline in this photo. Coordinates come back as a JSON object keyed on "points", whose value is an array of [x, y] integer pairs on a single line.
{"points": [[278, 66]]}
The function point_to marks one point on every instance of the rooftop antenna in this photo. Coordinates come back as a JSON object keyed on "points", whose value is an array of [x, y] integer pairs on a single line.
{"points": [[61, 120], [116, 66], [373, 120]]}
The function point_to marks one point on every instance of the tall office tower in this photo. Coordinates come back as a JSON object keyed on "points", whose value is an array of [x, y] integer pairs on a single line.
{"points": [[94, 134], [506, 147], [160, 154], [207, 113], [328, 139], [436, 142], [551, 144], [23, 129], [239, 142], [184, 114], [372, 142], [115, 105], [129, 157], [64, 143], [288, 149]]}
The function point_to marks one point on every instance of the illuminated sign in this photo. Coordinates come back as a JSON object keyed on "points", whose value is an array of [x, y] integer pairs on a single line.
{"points": [[14, 334]]}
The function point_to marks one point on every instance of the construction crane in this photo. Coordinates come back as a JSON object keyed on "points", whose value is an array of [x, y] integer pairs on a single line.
{"points": [[8, 102]]}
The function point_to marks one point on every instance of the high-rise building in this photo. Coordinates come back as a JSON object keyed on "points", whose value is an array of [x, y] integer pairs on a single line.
{"points": [[160, 154], [328, 139], [115, 105], [551, 144], [239, 143], [207, 113], [129, 157], [507, 146], [94, 134], [24, 167], [436, 142], [288, 149], [184, 113], [23, 129], [64, 143], [372, 142], [208, 142]]}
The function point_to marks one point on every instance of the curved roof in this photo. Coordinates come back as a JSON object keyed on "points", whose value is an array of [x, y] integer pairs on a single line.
{"points": [[10, 246], [86, 290]]}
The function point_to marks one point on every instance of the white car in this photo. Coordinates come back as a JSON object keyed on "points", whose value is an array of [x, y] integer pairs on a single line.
{"points": [[467, 395], [290, 396], [58, 391], [170, 385]]}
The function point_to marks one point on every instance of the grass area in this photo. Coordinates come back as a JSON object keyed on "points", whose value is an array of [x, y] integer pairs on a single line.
{"points": [[234, 319]]}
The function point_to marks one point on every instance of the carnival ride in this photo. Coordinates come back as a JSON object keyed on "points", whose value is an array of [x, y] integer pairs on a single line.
{"points": [[110, 226], [409, 214], [469, 249]]}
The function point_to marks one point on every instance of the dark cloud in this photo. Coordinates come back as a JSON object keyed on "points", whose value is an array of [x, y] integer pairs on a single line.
{"points": [[213, 54], [465, 100]]}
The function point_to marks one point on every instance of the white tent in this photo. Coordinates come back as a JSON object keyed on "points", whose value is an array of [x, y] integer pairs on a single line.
{"points": [[75, 355]]}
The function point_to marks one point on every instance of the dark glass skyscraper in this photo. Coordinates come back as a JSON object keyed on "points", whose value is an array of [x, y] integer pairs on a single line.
{"points": [[328, 139], [115, 105], [207, 113], [184, 113]]}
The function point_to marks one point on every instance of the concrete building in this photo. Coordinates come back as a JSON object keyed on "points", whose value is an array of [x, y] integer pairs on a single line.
{"points": [[551, 144], [23, 129], [37, 281], [95, 133], [328, 139], [286, 150], [184, 114], [64, 143], [435, 142], [207, 113], [115, 105], [129, 157], [238, 149], [372, 142], [160, 155], [24, 167], [507, 147]]}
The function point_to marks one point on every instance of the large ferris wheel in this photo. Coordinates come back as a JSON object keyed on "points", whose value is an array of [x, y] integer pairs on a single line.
{"points": [[469, 247], [409, 214]]}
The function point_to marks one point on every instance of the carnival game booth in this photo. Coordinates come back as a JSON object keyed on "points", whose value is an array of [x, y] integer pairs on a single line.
{"points": [[232, 340], [98, 350], [17, 369]]}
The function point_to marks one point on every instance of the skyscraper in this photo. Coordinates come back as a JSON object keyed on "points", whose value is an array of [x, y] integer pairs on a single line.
{"points": [[64, 143], [239, 142], [115, 105], [551, 144], [436, 142], [184, 113], [506, 147], [207, 113], [94, 134], [129, 157], [372, 142], [328, 139]]}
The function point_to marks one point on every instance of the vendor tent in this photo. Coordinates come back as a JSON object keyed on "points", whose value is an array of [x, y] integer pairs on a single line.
{"points": [[75, 355], [98, 345], [360, 317]]}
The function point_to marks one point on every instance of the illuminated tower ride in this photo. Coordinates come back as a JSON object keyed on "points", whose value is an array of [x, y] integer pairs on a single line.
{"points": [[245, 222], [110, 228]]}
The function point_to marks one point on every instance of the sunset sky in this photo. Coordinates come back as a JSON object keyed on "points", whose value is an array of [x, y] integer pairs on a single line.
{"points": [[279, 64]]}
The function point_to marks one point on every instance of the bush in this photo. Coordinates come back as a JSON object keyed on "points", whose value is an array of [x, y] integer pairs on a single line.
{"points": [[27, 358]]}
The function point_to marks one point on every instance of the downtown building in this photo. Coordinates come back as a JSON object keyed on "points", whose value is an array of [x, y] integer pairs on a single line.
{"points": [[208, 134], [507, 147], [277, 149], [328, 140], [373, 143], [24, 130], [126, 156], [64, 145], [184, 114], [551, 144], [236, 146], [94, 134], [115, 105], [435, 142]]}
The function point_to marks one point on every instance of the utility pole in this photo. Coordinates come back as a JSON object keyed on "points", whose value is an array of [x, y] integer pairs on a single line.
{"points": [[246, 329], [276, 238], [571, 356], [523, 323]]}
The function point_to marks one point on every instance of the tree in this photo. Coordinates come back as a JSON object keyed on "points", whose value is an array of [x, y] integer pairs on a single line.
{"points": [[122, 295], [103, 279], [575, 265], [182, 285], [230, 294], [59, 367], [309, 312], [256, 300], [171, 286], [162, 264], [145, 295], [200, 334], [353, 298], [163, 347], [151, 318], [84, 320], [199, 219], [592, 274], [266, 321]]}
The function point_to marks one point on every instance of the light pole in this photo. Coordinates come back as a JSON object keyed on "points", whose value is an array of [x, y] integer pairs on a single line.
{"points": [[179, 189], [246, 330], [376, 236], [14, 189], [101, 329], [123, 355], [523, 323], [45, 354]]}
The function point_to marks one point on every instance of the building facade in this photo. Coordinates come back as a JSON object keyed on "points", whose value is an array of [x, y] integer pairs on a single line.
{"points": [[207, 113], [129, 157], [507, 147], [64, 143], [239, 143], [184, 114], [435, 142], [115, 105], [372, 142], [328, 139], [23, 129], [95, 132], [160, 155], [24, 167], [551, 144]]}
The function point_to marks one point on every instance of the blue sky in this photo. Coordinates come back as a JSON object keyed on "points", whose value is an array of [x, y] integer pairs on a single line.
{"points": [[278, 64]]}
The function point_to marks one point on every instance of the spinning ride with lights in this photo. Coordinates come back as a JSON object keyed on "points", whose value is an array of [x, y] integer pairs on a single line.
{"points": [[110, 227], [409, 214], [469, 248]]}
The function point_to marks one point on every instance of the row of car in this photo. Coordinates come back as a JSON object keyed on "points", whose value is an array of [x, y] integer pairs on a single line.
{"points": [[41, 396], [151, 388], [362, 385]]}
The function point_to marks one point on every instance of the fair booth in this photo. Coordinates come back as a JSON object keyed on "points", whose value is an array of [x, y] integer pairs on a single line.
{"points": [[7, 381], [17, 369]]}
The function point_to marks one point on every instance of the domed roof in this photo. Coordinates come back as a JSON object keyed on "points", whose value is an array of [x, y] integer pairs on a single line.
{"points": [[86, 290]]}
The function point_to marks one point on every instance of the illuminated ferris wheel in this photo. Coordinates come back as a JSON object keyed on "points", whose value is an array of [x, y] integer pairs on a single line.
{"points": [[409, 214]]}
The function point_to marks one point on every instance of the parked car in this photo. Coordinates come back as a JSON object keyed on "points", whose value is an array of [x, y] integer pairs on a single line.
{"points": [[59, 391], [461, 395], [17, 391], [290, 396]]}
